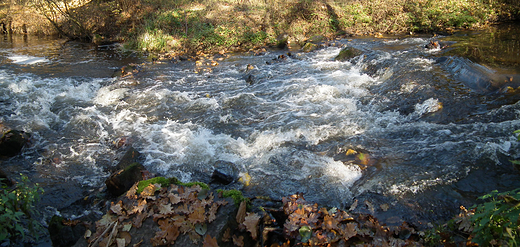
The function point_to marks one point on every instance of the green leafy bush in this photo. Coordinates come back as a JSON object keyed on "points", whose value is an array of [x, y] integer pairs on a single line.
{"points": [[496, 222], [17, 210]]}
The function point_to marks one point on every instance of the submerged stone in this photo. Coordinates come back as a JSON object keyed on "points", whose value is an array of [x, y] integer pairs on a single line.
{"points": [[347, 53]]}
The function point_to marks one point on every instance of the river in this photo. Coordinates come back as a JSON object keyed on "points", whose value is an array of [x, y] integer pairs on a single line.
{"points": [[408, 133]]}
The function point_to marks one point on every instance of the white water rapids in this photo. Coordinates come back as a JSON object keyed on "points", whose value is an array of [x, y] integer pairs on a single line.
{"points": [[428, 136]]}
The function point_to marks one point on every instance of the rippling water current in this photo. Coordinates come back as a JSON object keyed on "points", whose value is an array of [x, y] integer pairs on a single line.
{"points": [[419, 131]]}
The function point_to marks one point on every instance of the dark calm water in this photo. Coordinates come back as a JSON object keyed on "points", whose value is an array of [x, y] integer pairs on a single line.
{"points": [[420, 131]]}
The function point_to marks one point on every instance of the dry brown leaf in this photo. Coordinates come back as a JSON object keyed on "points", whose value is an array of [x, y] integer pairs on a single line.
{"points": [[209, 242], [227, 235], [384, 207], [165, 209], [241, 214], [141, 206], [131, 193], [138, 220], [251, 224], [194, 237], [148, 192], [329, 223], [212, 212], [238, 241], [126, 236], [198, 214], [349, 230], [117, 208], [171, 231], [174, 198]]}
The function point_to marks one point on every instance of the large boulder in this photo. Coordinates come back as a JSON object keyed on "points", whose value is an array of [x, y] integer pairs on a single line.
{"points": [[4, 179], [347, 53], [12, 142], [65, 232], [131, 156], [122, 180]]}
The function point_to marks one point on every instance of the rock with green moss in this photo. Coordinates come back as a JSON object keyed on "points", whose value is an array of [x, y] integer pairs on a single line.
{"points": [[347, 53], [122, 180], [308, 47], [236, 195], [165, 182]]}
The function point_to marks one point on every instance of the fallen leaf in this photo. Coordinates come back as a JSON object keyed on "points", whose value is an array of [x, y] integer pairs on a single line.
{"points": [[131, 193], [384, 207], [251, 224], [349, 230], [209, 242], [174, 198], [227, 235], [198, 214], [121, 242], [126, 236], [241, 214], [201, 229], [305, 233], [148, 192], [238, 241], [165, 209], [127, 227], [117, 208], [212, 212]]}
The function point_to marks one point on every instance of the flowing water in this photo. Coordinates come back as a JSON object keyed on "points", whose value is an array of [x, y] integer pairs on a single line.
{"points": [[403, 132]]}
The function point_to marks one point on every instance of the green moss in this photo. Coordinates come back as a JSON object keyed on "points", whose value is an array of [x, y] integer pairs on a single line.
{"points": [[201, 184], [236, 195], [165, 182]]}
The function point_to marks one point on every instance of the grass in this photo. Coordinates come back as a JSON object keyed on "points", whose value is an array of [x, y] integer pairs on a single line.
{"points": [[190, 26]]}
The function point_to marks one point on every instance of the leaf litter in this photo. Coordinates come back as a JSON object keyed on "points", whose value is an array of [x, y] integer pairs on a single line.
{"points": [[179, 210]]}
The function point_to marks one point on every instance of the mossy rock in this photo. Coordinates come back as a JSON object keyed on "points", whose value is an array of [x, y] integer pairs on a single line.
{"points": [[308, 47], [165, 182], [347, 53], [236, 195], [121, 181]]}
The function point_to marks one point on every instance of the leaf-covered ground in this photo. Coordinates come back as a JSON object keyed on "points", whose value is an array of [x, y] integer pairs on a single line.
{"points": [[179, 210]]}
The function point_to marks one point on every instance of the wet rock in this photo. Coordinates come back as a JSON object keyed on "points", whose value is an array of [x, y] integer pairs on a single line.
{"points": [[317, 39], [12, 142], [309, 47], [282, 40], [131, 156], [4, 179], [126, 71], [435, 44], [224, 173], [347, 53], [65, 232], [122, 180]]}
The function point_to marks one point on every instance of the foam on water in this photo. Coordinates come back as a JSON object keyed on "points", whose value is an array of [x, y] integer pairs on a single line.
{"points": [[27, 60]]}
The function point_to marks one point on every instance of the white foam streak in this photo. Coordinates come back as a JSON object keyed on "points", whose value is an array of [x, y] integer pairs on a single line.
{"points": [[24, 59]]}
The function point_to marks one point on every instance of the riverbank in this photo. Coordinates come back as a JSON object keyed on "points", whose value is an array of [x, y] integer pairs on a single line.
{"points": [[220, 26]]}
